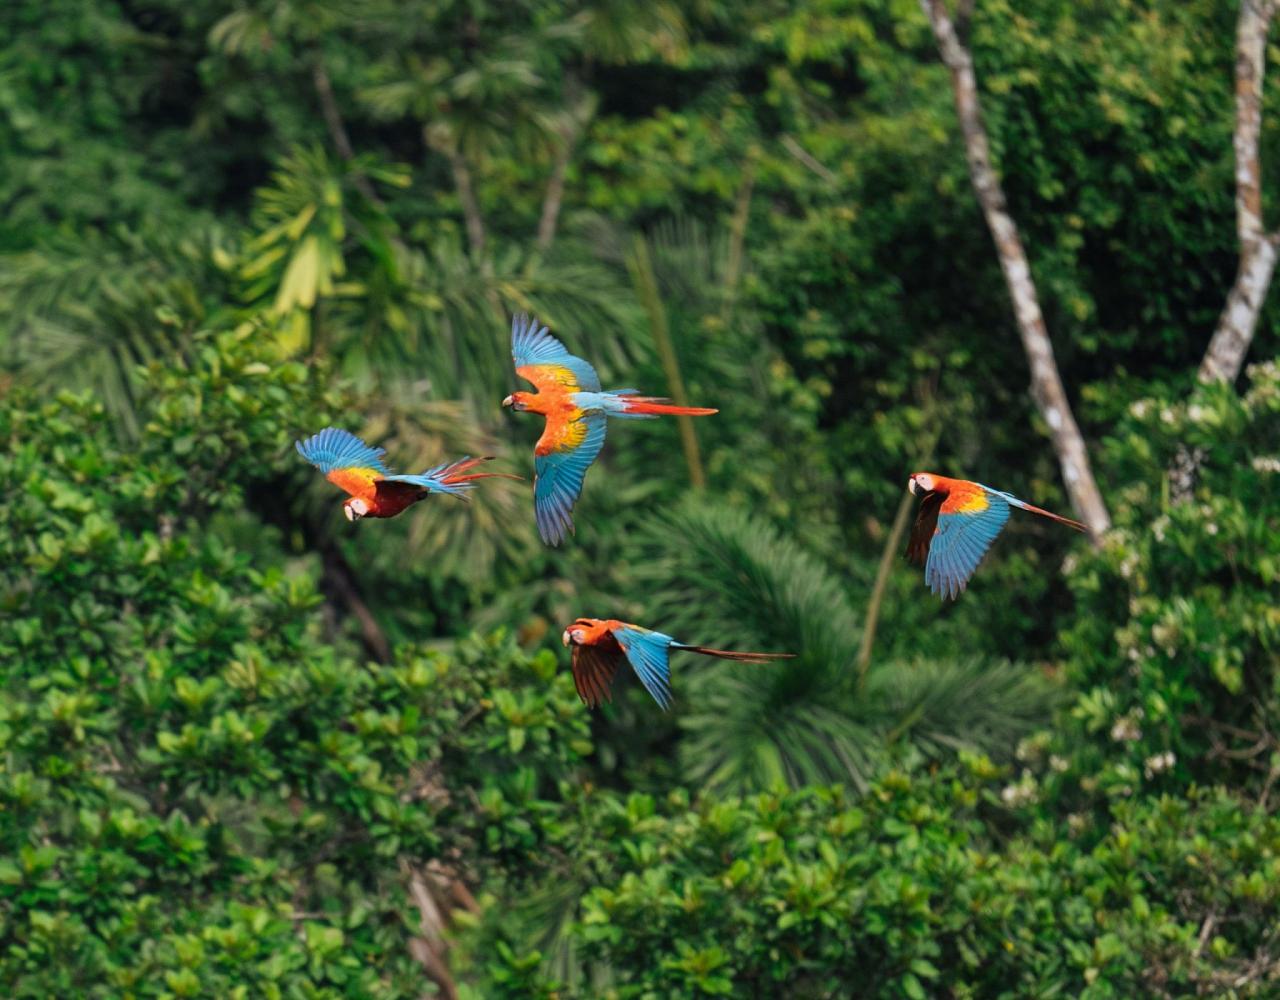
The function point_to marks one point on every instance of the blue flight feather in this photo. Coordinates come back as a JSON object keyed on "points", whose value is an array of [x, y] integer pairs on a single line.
{"points": [[649, 654], [533, 345], [558, 479], [960, 541], [334, 448]]}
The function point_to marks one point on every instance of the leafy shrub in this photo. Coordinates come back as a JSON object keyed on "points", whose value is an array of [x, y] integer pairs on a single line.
{"points": [[200, 796], [910, 891], [1175, 648]]}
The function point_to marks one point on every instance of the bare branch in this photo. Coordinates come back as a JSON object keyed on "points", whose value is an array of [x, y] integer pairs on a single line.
{"points": [[340, 578], [581, 109], [440, 138], [738, 233], [893, 544], [804, 156], [641, 267], [337, 128], [1046, 384]]}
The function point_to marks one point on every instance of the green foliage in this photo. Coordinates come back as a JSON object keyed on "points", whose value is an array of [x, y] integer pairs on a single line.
{"points": [[240, 735], [1175, 649], [723, 579], [202, 797], [911, 890]]}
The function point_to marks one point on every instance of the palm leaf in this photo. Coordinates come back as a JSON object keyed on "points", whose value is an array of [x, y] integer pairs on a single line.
{"points": [[723, 578]]}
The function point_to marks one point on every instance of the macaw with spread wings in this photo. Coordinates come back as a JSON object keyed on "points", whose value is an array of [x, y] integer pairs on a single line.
{"points": [[570, 397], [601, 646], [956, 524], [352, 465]]}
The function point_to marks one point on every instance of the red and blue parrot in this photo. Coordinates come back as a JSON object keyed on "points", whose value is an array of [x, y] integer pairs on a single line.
{"points": [[956, 524], [352, 465], [601, 645], [570, 397]]}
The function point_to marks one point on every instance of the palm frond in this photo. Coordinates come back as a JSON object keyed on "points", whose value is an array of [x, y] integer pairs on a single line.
{"points": [[723, 578], [85, 312], [966, 703]]}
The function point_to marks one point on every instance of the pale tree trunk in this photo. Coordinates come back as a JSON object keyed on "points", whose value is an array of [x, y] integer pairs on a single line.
{"points": [[1046, 384], [1239, 318], [1225, 356]]}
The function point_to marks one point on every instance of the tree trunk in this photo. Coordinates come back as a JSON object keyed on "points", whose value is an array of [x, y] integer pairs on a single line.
{"points": [[1230, 343], [1046, 384]]}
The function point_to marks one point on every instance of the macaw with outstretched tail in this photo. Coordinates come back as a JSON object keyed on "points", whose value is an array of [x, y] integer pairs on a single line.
{"points": [[352, 465], [601, 645], [570, 397], [956, 524]]}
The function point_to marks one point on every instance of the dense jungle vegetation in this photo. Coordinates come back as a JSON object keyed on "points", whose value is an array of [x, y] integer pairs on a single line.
{"points": [[252, 750]]}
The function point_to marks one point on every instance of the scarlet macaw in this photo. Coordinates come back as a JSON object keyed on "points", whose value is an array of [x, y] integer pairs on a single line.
{"points": [[957, 522], [601, 645], [352, 465], [570, 398]]}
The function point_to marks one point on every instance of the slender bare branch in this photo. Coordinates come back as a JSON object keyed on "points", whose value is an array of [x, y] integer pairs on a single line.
{"points": [[892, 546], [439, 136], [580, 108], [1046, 384], [341, 579], [808, 159], [1230, 343], [337, 128], [554, 198], [647, 284], [329, 109], [738, 233]]}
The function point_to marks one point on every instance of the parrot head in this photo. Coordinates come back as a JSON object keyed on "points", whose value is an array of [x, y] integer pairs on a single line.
{"points": [[575, 633], [920, 483], [355, 508], [518, 401]]}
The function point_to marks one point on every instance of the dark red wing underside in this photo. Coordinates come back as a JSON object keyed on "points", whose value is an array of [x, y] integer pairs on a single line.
{"points": [[594, 668], [922, 531]]}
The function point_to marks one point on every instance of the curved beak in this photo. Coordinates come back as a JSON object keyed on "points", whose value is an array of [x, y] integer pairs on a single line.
{"points": [[915, 487], [351, 514], [564, 637], [508, 401]]}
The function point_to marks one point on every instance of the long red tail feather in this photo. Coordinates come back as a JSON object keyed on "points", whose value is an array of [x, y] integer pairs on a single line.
{"points": [[459, 472], [729, 654], [654, 404], [1056, 517]]}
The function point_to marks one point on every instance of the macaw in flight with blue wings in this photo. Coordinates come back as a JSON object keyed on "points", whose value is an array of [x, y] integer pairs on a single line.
{"points": [[352, 465], [956, 524], [601, 645], [570, 397]]}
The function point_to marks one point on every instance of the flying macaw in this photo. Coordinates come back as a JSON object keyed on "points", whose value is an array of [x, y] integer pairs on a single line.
{"points": [[957, 522], [600, 645], [570, 398], [352, 465]]}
